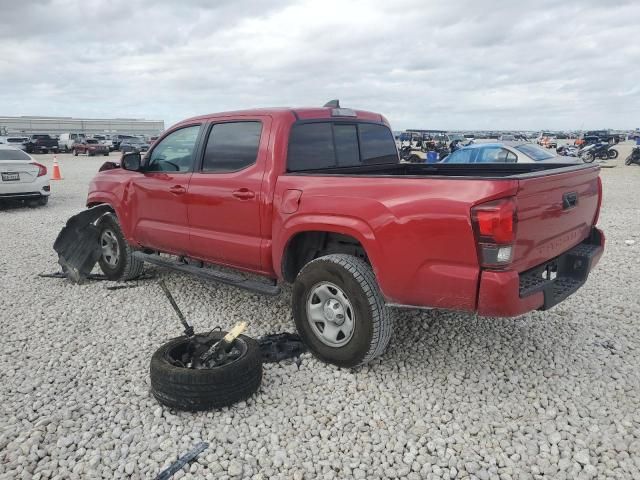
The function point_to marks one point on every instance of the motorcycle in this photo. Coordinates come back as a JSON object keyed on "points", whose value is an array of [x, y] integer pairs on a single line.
{"points": [[567, 150], [634, 157], [601, 150]]}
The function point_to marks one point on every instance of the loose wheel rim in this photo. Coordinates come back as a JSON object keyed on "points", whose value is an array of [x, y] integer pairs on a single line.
{"points": [[110, 248], [330, 314]]}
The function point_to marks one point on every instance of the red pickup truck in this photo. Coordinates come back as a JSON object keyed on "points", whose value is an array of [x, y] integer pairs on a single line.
{"points": [[317, 197]]}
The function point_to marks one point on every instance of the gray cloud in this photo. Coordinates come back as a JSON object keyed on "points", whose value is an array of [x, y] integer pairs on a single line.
{"points": [[464, 64]]}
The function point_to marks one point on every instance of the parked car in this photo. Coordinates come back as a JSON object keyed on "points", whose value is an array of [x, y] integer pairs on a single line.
{"points": [[117, 139], [15, 141], [318, 197], [133, 144], [41, 143], [67, 140], [507, 138], [90, 146], [22, 178], [505, 153], [104, 140]]}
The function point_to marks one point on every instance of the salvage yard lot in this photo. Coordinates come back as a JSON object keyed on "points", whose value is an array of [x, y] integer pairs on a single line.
{"points": [[552, 393]]}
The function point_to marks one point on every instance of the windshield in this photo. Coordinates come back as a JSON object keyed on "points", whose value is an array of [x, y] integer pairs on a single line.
{"points": [[133, 140], [11, 154], [534, 152]]}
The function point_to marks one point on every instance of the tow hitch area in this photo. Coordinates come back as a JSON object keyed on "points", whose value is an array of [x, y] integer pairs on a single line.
{"points": [[77, 244], [214, 369]]}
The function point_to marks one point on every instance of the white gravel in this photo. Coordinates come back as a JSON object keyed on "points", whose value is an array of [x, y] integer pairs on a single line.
{"points": [[547, 395]]}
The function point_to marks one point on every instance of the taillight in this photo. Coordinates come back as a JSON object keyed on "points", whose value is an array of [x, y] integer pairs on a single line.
{"points": [[597, 215], [494, 225], [42, 170]]}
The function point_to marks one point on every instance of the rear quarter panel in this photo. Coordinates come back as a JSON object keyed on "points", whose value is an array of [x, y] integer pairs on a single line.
{"points": [[416, 231]]}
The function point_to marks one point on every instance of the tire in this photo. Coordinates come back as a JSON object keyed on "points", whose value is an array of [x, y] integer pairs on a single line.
{"points": [[415, 159], [43, 200], [354, 285], [75, 152], [204, 389], [612, 153], [628, 160], [120, 264], [588, 157], [105, 154]]}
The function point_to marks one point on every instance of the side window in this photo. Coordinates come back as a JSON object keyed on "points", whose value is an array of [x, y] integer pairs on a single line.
{"points": [[492, 155], [377, 145], [175, 152], [232, 146], [311, 147], [460, 156], [347, 151]]}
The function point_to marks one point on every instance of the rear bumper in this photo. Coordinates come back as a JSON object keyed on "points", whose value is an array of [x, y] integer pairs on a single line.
{"points": [[509, 294]]}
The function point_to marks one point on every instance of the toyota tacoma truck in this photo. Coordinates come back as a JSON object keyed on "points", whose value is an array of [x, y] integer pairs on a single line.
{"points": [[317, 198]]}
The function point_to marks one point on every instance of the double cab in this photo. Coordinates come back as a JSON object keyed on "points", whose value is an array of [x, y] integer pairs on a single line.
{"points": [[318, 198]]}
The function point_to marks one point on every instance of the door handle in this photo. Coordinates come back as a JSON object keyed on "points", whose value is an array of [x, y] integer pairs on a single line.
{"points": [[177, 190], [244, 194]]}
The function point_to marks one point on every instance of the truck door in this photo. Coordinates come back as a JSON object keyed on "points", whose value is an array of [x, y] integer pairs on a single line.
{"points": [[158, 203], [225, 197]]}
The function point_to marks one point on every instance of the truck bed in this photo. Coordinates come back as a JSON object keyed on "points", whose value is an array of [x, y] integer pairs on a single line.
{"points": [[488, 170]]}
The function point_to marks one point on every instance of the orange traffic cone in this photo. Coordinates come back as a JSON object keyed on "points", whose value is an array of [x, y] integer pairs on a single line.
{"points": [[55, 174]]}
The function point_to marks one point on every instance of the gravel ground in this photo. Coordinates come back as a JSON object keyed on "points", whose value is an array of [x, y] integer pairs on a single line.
{"points": [[547, 395]]}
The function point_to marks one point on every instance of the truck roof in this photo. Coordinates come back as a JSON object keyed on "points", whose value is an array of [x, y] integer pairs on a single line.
{"points": [[301, 113]]}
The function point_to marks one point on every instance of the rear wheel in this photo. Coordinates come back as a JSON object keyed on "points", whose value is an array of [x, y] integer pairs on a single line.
{"points": [[116, 261], [612, 153], [339, 310], [588, 157], [75, 152], [43, 200]]}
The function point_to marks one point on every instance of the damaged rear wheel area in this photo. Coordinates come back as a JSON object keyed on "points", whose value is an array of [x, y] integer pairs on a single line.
{"points": [[177, 383]]}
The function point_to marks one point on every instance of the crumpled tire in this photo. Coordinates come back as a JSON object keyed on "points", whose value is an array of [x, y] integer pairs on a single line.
{"points": [[193, 389]]}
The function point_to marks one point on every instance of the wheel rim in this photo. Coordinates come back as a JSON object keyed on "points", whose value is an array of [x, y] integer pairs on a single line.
{"points": [[110, 248], [330, 314]]}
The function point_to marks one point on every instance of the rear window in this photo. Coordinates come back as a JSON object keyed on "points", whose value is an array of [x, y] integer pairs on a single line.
{"points": [[534, 152], [91, 140], [44, 137], [325, 145], [10, 154]]}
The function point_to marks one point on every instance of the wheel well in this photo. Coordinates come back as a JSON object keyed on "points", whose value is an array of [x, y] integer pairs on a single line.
{"points": [[306, 246]]}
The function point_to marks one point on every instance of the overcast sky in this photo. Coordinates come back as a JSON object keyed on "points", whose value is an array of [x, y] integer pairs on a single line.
{"points": [[424, 64]]}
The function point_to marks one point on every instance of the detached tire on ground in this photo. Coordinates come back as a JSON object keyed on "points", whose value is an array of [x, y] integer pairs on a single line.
{"points": [[116, 261], [340, 312], [204, 389]]}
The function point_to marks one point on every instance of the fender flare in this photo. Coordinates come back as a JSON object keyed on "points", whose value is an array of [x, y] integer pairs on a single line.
{"points": [[350, 226]]}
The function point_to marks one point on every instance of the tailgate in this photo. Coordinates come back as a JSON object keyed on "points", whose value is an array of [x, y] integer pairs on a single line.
{"points": [[555, 213]]}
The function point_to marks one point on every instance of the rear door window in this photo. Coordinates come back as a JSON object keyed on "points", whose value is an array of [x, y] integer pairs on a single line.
{"points": [[232, 146]]}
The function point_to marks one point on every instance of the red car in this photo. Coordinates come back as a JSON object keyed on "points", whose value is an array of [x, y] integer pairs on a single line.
{"points": [[90, 146], [317, 197]]}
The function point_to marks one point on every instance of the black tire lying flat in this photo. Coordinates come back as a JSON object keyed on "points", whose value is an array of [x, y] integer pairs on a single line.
{"points": [[354, 282], [193, 389]]}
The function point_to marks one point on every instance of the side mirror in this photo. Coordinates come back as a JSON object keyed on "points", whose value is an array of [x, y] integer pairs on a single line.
{"points": [[131, 161]]}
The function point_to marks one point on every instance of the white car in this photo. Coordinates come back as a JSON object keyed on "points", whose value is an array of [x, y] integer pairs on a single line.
{"points": [[22, 178], [20, 142]]}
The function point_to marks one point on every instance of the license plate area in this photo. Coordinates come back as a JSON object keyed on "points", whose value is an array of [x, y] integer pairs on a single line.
{"points": [[560, 277], [10, 177]]}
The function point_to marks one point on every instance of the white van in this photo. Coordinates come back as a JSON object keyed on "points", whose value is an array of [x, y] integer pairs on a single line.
{"points": [[66, 140]]}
